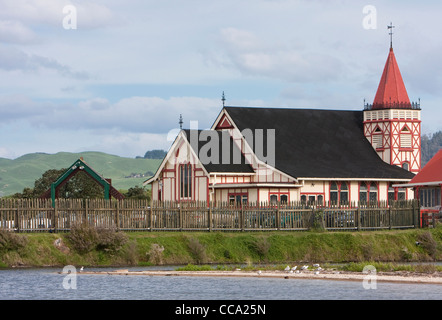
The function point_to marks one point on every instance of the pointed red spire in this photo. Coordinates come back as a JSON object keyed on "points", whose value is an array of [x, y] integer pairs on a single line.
{"points": [[391, 90]]}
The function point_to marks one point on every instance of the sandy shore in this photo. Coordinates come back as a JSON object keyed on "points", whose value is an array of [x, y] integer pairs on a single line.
{"points": [[399, 276]]}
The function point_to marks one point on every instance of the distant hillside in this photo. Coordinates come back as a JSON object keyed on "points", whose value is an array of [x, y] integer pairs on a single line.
{"points": [[430, 146], [125, 172]]}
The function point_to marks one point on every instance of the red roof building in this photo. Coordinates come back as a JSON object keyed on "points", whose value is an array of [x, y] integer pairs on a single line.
{"points": [[427, 186]]}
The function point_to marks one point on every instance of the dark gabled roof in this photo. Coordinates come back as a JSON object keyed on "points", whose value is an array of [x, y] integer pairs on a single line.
{"points": [[204, 149], [313, 143]]}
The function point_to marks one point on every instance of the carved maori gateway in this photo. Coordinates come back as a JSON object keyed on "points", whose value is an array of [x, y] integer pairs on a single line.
{"points": [[75, 168]]}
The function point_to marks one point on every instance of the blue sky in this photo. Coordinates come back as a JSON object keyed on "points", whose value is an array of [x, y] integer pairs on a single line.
{"points": [[119, 81]]}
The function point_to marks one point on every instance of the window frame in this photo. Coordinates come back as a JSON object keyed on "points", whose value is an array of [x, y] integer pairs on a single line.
{"points": [[185, 172]]}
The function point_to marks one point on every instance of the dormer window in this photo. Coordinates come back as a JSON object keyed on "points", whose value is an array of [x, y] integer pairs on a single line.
{"points": [[405, 137]]}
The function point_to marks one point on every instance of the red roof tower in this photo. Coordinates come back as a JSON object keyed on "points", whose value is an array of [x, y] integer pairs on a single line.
{"points": [[391, 91], [392, 123]]}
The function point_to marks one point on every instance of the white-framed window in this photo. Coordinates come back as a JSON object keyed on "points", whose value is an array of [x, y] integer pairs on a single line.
{"points": [[238, 199], [185, 172], [339, 192]]}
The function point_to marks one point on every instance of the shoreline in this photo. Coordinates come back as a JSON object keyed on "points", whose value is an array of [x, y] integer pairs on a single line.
{"points": [[397, 276]]}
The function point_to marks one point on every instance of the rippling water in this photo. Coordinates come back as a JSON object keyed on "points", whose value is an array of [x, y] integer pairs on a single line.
{"points": [[47, 284]]}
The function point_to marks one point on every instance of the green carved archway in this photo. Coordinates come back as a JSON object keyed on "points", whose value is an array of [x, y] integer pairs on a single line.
{"points": [[75, 168]]}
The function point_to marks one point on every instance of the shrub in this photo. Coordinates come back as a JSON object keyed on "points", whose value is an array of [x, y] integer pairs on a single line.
{"points": [[262, 247], [428, 243], [110, 239], [155, 253], [85, 238], [10, 241], [197, 250]]}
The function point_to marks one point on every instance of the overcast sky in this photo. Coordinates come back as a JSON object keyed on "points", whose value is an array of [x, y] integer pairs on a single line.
{"points": [[119, 81]]}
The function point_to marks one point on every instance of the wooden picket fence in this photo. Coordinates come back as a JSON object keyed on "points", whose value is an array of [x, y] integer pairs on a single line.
{"points": [[41, 215]]}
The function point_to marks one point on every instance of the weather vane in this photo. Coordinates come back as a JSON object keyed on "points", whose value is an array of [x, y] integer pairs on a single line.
{"points": [[391, 26]]}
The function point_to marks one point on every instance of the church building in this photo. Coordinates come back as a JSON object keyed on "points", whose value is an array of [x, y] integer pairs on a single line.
{"points": [[281, 154]]}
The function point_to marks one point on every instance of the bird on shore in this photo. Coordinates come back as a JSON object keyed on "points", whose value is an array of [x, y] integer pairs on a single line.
{"points": [[259, 272], [81, 269], [304, 267], [287, 268], [316, 265], [294, 268]]}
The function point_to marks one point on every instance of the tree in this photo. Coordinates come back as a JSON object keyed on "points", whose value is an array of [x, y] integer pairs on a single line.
{"points": [[155, 154], [137, 193], [79, 186]]}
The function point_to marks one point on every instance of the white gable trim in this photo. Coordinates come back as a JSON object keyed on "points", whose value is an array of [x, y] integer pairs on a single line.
{"points": [[171, 153]]}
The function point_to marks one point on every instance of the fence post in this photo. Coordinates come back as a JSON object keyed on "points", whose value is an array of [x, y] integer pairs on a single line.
{"points": [[358, 213], [86, 204], [17, 218], [241, 216], [180, 216], [117, 215], [55, 216], [416, 213], [313, 219], [389, 217], [278, 217], [150, 215], [210, 216]]}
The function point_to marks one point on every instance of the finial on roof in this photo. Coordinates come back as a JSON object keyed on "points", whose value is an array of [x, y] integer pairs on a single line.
{"points": [[223, 99], [391, 26], [181, 121]]}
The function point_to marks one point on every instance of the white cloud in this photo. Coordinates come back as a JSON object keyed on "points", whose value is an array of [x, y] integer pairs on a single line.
{"points": [[12, 31], [131, 115], [13, 59], [254, 56]]}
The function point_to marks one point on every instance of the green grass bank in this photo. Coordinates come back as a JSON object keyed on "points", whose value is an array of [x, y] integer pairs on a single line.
{"points": [[200, 248]]}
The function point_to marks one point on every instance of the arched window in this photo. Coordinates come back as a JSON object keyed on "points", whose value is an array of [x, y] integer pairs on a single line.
{"points": [[344, 193], [401, 194], [363, 192], [406, 166], [373, 192], [334, 192], [390, 193]]}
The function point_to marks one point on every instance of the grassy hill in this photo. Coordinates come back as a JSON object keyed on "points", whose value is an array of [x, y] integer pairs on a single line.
{"points": [[22, 172]]}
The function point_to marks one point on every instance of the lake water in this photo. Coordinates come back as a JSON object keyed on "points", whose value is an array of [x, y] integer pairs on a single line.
{"points": [[47, 284]]}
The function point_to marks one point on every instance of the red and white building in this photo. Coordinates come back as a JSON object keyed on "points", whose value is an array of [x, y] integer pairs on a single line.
{"points": [[281, 154], [427, 185]]}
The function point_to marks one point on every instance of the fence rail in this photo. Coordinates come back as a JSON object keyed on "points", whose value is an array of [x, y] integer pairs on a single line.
{"points": [[41, 215]]}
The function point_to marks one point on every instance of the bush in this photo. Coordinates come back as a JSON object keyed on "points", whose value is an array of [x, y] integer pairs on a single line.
{"points": [[197, 250], [262, 247], [10, 241], [85, 238], [155, 254], [428, 243], [110, 239]]}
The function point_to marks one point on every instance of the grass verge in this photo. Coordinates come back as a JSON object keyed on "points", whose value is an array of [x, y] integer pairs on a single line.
{"points": [[219, 248]]}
